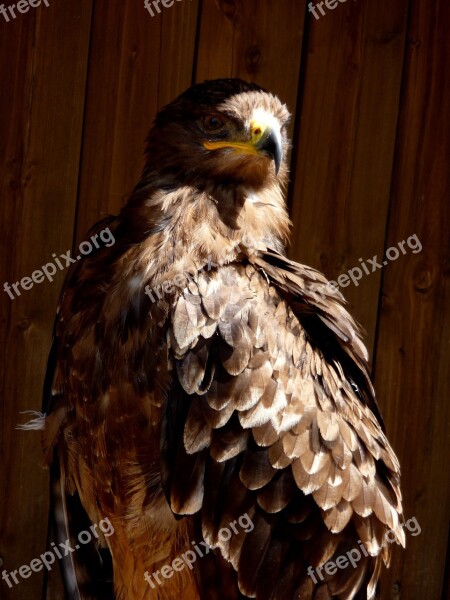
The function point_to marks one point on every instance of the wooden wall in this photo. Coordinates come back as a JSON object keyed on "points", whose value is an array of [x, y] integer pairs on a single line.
{"points": [[81, 81]]}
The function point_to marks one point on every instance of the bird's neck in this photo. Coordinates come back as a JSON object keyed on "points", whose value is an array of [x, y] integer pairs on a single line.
{"points": [[213, 225]]}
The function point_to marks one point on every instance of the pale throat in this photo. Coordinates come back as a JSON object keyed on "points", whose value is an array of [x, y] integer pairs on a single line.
{"points": [[261, 222]]}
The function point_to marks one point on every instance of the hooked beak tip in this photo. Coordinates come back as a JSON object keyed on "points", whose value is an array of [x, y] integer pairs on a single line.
{"points": [[272, 145]]}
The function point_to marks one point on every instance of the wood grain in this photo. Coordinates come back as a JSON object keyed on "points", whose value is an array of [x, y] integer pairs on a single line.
{"points": [[136, 63], [45, 52], [179, 32], [252, 39], [215, 39], [345, 143], [120, 104], [412, 365]]}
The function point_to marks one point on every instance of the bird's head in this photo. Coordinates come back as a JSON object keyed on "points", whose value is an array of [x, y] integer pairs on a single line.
{"points": [[216, 166], [221, 132]]}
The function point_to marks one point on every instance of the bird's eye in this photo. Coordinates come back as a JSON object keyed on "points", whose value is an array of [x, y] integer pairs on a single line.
{"points": [[213, 123]]}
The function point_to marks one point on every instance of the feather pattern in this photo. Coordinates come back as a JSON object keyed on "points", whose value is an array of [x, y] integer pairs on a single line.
{"points": [[203, 388], [329, 452]]}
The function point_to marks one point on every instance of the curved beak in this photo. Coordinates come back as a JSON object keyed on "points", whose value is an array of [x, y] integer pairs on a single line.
{"points": [[265, 139], [271, 144]]}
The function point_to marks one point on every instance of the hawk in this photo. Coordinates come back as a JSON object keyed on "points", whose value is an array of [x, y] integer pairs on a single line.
{"points": [[206, 395]]}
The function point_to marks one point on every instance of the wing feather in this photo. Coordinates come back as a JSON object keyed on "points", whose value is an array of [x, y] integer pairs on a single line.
{"points": [[286, 432]]}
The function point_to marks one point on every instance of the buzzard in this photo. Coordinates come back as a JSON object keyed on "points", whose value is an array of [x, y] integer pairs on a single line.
{"points": [[206, 395]]}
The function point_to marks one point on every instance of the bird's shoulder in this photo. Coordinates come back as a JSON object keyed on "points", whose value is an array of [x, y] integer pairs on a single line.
{"points": [[270, 415]]}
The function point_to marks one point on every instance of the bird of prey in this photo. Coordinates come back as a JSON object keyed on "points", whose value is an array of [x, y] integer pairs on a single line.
{"points": [[208, 396]]}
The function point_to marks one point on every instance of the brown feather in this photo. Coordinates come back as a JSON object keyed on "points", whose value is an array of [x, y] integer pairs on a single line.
{"points": [[237, 391]]}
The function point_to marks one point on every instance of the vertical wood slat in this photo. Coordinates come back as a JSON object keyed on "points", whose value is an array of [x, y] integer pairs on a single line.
{"points": [[268, 46], [16, 59], [124, 39], [133, 72], [215, 39], [412, 367], [344, 144], [41, 124], [256, 40], [179, 33]]}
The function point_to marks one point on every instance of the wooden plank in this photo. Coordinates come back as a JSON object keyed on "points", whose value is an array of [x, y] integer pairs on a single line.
{"points": [[125, 39], [16, 57], [179, 32], [256, 40], [344, 144], [134, 70], [215, 40], [412, 363], [43, 64], [268, 46]]}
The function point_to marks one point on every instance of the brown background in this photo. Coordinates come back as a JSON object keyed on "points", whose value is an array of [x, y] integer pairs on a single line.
{"points": [[80, 84]]}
